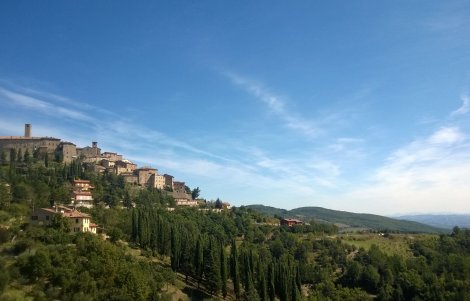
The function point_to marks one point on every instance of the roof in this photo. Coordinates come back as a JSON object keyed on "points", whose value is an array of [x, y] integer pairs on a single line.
{"points": [[27, 138], [82, 192], [80, 181], [292, 220], [146, 168], [66, 212]]}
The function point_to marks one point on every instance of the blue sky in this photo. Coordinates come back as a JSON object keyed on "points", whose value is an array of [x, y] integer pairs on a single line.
{"points": [[352, 105]]}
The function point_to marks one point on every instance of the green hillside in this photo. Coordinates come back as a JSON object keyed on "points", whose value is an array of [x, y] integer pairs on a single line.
{"points": [[348, 219]]}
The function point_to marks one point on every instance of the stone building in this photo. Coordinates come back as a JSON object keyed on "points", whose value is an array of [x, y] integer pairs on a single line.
{"points": [[92, 151], [146, 176], [38, 147], [113, 157], [130, 178], [168, 181], [179, 187], [159, 181], [124, 166]]}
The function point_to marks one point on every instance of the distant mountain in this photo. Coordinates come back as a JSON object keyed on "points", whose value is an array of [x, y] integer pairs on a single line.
{"points": [[446, 221], [348, 219]]}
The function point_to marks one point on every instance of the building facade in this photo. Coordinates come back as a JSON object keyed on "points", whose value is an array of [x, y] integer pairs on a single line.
{"points": [[78, 221], [82, 193]]}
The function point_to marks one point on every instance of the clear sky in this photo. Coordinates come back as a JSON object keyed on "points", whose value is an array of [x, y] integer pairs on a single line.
{"points": [[353, 105]]}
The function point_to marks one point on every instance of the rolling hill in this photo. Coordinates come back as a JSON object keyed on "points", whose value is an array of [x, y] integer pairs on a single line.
{"points": [[348, 219], [446, 221]]}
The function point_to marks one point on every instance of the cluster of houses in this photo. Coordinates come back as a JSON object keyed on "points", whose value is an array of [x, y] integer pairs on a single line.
{"points": [[81, 196]]}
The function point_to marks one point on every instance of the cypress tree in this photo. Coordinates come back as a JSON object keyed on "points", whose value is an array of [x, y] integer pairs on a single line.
{"points": [[271, 282], [135, 225], [234, 269], [199, 260], [26, 156], [262, 286], [223, 270], [19, 156], [175, 249]]}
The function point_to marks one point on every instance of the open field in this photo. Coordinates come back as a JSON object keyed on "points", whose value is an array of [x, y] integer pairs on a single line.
{"points": [[393, 244]]}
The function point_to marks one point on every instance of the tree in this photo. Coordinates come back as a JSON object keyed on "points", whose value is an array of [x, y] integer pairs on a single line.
{"points": [[61, 223], [199, 260], [12, 155], [19, 156], [195, 193], [234, 269], [4, 196], [3, 157], [223, 270], [27, 156]]}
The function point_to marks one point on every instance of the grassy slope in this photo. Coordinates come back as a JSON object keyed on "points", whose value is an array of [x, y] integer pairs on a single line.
{"points": [[350, 219]]}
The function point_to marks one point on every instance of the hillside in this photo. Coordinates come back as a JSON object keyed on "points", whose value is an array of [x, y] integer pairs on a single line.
{"points": [[348, 219], [445, 221]]}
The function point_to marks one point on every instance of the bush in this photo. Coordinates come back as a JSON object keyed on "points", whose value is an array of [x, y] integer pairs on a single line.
{"points": [[4, 235]]}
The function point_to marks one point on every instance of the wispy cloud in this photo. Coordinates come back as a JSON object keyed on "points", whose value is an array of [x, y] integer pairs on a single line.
{"points": [[429, 174], [42, 106], [464, 108], [276, 104], [110, 129]]}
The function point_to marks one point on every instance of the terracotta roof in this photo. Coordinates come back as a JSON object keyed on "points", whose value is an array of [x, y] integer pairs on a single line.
{"points": [[75, 214], [82, 192], [67, 212], [292, 220], [93, 225], [81, 181]]}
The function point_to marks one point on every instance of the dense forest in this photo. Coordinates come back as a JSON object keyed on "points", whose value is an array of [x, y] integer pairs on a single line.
{"points": [[153, 253]]}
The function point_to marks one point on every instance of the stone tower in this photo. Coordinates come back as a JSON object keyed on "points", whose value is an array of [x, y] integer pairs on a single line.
{"points": [[27, 130]]}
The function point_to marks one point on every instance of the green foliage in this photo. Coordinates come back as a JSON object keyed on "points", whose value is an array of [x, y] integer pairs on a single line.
{"points": [[371, 221], [236, 248], [195, 193]]}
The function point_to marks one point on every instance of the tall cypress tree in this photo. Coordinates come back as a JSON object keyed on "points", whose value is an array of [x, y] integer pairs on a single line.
{"points": [[175, 248], [223, 270], [135, 225], [199, 260], [214, 278], [234, 269], [271, 282]]}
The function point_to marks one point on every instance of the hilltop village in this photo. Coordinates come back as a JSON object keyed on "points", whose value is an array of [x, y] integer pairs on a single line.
{"points": [[49, 148]]}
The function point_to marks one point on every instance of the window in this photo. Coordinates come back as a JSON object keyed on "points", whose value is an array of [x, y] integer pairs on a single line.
{"points": [[34, 217], [76, 220], [47, 217]]}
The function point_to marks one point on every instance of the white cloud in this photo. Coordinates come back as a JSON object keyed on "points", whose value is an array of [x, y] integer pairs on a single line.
{"points": [[43, 106], [464, 108], [428, 175], [276, 105], [447, 135]]}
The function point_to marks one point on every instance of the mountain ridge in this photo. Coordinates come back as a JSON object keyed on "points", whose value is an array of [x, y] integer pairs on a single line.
{"points": [[345, 219], [445, 221]]}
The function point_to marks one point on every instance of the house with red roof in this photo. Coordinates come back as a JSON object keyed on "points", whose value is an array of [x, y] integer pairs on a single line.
{"points": [[78, 221]]}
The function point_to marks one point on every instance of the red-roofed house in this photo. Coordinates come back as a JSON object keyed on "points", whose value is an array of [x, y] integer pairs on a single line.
{"points": [[290, 222], [79, 221]]}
